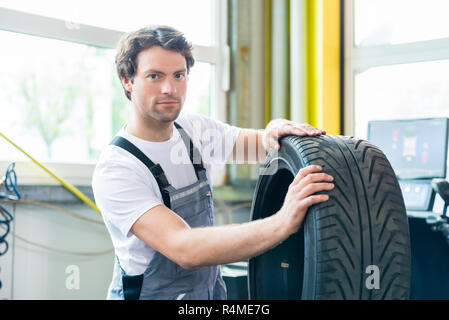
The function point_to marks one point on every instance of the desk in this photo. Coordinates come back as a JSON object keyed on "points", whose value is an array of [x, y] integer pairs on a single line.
{"points": [[421, 214]]}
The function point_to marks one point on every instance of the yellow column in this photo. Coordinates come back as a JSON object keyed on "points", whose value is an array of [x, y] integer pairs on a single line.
{"points": [[323, 65]]}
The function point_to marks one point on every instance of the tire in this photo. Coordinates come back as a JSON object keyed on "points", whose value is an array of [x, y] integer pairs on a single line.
{"points": [[335, 253]]}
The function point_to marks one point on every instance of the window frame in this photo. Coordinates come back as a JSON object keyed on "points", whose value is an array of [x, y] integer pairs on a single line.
{"points": [[218, 54], [362, 58]]}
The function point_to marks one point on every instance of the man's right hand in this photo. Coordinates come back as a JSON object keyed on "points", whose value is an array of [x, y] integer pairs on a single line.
{"points": [[301, 195], [166, 232]]}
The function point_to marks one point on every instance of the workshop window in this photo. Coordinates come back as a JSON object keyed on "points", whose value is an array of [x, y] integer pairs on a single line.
{"points": [[64, 100], [61, 99], [396, 61], [129, 15]]}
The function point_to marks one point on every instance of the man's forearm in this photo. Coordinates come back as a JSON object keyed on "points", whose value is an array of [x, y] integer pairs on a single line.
{"points": [[253, 145], [249, 147], [230, 243]]}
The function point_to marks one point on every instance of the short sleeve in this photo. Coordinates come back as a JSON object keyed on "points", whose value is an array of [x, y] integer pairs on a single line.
{"points": [[123, 194], [217, 139]]}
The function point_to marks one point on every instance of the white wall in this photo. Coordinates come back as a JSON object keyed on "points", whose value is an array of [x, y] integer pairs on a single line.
{"points": [[33, 272]]}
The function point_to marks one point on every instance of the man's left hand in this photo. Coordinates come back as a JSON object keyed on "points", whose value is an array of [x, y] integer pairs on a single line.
{"points": [[278, 128]]}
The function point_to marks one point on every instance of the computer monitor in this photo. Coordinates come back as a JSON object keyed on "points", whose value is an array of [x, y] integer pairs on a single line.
{"points": [[416, 148]]}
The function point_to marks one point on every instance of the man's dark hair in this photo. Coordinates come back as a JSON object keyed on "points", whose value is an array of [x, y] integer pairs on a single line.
{"points": [[132, 43]]}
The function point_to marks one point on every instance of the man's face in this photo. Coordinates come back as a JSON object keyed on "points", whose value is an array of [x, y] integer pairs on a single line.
{"points": [[159, 86]]}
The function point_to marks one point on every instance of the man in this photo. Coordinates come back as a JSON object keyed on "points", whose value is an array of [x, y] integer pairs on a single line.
{"points": [[152, 184]]}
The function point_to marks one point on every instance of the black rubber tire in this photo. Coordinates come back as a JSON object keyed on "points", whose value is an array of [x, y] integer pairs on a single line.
{"points": [[364, 223]]}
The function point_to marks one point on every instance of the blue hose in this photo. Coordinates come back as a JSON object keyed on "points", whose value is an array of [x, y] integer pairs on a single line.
{"points": [[9, 181]]}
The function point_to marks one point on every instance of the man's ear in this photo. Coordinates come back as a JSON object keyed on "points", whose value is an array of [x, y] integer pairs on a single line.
{"points": [[127, 84]]}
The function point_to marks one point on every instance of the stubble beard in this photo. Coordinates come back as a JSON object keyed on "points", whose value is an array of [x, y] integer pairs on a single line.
{"points": [[165, 116]]}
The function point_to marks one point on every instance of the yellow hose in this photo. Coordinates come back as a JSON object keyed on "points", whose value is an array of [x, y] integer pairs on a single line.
{"points": [[66, 184]]}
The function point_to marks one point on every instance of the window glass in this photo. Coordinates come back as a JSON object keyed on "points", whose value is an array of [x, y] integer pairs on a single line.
{"points": [[199, 89], [406, 91], [193, 18], [62, 101], [399, 21]]}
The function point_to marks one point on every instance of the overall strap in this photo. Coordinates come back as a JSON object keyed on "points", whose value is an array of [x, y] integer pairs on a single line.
{"points": [[155, 169], [194, 154]]}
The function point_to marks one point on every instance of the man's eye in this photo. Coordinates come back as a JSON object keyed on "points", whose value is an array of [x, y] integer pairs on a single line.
{"points": [[154, 76], [179, 76]]}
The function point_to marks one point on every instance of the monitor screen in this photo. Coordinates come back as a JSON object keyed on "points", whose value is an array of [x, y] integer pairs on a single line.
{"points": [[418, 194], [416, 149]]}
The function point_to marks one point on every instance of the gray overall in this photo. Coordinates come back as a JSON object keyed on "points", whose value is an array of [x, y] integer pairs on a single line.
{"points": [[163, 278]]}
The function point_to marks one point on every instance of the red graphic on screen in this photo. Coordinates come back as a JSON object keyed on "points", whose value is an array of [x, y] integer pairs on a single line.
{"points": [[395, 135], [424, 157]]}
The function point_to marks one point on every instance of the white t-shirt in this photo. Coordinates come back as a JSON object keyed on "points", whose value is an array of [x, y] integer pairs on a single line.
{"points": [[124, 187]]}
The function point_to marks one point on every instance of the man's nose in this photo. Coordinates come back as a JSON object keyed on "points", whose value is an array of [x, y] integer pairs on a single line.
{"points": [[168, 87]]}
